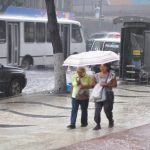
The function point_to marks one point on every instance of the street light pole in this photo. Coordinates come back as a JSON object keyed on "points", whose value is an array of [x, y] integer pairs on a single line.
{"points": [[83, 12], [62, 5], [100, 13]]}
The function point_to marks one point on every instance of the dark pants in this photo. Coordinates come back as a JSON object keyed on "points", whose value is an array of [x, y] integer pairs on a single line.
{"points": [[84, 110], [108, 107]]}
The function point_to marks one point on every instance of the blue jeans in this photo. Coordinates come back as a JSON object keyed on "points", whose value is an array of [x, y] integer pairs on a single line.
{"points": [[84, 111]]}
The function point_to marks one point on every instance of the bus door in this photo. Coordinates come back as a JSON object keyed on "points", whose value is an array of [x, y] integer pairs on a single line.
{"points": [[13, 43], [77, 39], [65, 35]]}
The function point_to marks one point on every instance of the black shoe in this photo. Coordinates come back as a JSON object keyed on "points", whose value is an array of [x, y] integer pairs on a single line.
{"points": [[111, 124], [97, 127], [84, 125], [71, 126]]}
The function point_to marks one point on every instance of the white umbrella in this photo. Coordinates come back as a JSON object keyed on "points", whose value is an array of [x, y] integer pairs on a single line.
{"points": [[91, 58]]}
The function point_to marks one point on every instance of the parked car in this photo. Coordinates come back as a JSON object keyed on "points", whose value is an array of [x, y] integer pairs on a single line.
{"points": [[108, 44], [12, 80], [90, 41]]}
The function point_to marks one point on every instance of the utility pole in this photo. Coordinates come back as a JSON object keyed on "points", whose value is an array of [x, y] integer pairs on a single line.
{"points": [[100, 13], [62, 5], [83, 12]]}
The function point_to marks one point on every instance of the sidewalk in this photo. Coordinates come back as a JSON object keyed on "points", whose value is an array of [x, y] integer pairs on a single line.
{"points": [[38, 121], [133, 139]]}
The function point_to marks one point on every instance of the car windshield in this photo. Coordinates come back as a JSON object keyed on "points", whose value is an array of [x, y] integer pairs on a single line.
{"points": [[96, 36], [97, 46], [112, 46]]}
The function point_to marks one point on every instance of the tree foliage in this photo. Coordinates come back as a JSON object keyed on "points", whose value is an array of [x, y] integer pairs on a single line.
{"points": [[11, 2], [6, 3]]}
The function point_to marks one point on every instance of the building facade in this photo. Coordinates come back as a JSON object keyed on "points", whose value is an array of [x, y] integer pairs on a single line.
{"points": [[65, 5], [61, 5], [34, 3]]}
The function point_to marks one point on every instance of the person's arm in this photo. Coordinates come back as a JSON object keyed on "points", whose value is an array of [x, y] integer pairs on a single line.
{"points": [[74, 80], [94, 82], [111, 84], [91, 83]]}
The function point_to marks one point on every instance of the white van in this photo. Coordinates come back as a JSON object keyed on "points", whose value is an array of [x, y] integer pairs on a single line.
{"points": [[106, 44]]}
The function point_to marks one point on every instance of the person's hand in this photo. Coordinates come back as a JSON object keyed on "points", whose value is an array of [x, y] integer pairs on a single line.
{"points": [[81, 86], [104, 84], [78, 81]]}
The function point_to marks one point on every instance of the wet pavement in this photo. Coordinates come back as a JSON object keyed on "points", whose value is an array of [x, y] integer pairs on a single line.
{"points": [[133, 139], [38, 121]]}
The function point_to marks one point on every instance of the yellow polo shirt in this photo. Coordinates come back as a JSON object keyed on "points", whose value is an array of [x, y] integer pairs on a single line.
{"points": [[86, 80]]}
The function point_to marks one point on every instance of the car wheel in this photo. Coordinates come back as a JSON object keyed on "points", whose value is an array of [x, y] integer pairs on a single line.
{"points": [[15, 87]]}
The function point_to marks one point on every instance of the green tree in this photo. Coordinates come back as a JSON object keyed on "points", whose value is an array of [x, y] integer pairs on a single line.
{"points": [[5, 3], [11, 2], [59, 72]]}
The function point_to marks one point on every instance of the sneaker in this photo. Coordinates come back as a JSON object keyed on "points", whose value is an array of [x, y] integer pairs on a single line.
{"points": [[111, 124], [97, 127], [84, 125], [71, 126]]}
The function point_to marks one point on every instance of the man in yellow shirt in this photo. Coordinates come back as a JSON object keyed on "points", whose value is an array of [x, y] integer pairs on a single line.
{"points": [[81, 83]]}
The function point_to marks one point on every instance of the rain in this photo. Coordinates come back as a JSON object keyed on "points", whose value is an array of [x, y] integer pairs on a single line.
{"points": [[38, 58]]}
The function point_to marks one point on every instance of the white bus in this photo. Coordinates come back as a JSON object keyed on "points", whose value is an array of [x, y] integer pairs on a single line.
{"points": [[26, 41]]}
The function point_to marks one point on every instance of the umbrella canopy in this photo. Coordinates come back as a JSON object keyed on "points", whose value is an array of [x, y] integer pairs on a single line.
{"points": [[91, 58]]}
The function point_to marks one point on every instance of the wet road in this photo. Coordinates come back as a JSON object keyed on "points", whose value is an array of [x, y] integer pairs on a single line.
{"points": [[39, 80]]}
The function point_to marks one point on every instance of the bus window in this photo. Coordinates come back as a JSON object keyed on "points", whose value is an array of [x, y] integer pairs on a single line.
{"points": [[97, 46], [2, 31], [29, 32], [76, 34], [48, 34], [40, 32]]}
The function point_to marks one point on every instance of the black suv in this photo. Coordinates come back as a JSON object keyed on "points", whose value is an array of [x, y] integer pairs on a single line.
{"points": [[12, 80]]}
